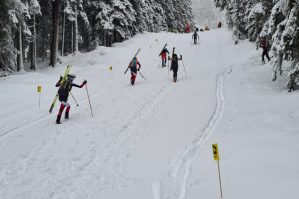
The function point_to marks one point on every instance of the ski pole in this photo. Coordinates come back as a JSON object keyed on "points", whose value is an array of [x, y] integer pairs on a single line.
{"points": [[74, 98], [168, 67], [89, 100], [184, 67], [126, 70], [142, 75]]}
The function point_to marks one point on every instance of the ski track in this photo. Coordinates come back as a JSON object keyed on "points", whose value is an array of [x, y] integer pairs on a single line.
{"points": [[175, 184], [178, 177]]}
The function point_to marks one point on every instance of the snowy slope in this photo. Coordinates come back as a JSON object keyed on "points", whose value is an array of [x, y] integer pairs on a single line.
{"points": [[152, 140]]}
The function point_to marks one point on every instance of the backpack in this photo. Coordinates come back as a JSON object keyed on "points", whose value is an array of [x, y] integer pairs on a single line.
{"points": [[64, 88], [134, 63]]}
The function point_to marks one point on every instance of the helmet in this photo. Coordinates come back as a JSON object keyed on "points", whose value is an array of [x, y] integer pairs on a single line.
{"points": [[71, 77]]}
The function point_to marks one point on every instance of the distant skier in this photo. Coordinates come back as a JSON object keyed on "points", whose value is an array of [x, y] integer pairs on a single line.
{"points": [[187, 28], [265, 45], [134, 67], [219, 24], [175, 65], [163, 55], [63, 92], [195, 37]]}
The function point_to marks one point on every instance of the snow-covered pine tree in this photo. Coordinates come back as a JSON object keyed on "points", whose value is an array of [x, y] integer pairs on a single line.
{"points": [[34, 9], [7, 50], [19, 13], [72, 10]]}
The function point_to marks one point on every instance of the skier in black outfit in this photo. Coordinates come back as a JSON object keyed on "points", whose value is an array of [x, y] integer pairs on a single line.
{"points": [[265, 45], [175, 65], [195, 37], [63, 93]]}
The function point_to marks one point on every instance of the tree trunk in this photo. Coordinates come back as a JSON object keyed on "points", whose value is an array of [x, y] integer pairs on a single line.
{"points": [[44, 35], [72, 39], [20, 66], [76, 39], [55, 32], [63, 30], [33, 48]]}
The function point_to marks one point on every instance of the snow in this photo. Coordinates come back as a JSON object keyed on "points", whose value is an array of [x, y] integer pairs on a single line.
{"points": [[153, 140], [257, 9]]}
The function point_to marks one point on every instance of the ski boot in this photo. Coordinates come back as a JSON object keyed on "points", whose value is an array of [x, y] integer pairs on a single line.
{"points": [[58, 119], [66, 116], [174, 79]]}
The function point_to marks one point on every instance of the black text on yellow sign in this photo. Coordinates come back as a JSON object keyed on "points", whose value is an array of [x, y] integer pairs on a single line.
{"points": [[39, 89], [215, 151]]}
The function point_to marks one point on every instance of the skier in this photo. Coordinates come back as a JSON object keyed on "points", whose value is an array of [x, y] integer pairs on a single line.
{"points": [[175, 65], [163, 55], [133, 67], [265, 45], [195, 37], [219, 24], [187, 28], [63, 92]]}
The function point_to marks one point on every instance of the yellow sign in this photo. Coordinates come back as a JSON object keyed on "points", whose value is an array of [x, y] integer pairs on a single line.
{"points": [[110, 67], [215, 152], [39, 89]]}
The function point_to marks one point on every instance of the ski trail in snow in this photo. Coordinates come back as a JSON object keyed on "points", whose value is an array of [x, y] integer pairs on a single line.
{"points": [[178, 188]]}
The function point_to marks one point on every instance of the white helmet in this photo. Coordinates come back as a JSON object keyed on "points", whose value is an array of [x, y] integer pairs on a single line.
{"points": [[71, 77]]}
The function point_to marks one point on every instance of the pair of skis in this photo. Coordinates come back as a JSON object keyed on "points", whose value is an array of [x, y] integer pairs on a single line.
{"points": [[66, 72], [130, 62], [162, 49]]}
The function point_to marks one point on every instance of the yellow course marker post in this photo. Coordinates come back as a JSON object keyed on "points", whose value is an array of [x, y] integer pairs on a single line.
{"points": [[39, 90], [217, 158]]}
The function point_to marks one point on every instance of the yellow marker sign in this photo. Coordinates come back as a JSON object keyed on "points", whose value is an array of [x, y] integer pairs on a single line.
{"points": [[110, 67], [39, 89], [215, 152]]}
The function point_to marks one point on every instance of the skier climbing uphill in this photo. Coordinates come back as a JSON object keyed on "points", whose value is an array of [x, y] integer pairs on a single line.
{"points": [[175, 64], [133, 68], [265, 45], [195, 37], [163, 55], [64, 89]]}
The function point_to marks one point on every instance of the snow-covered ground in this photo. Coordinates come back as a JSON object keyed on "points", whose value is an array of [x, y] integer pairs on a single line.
{"points": [[153, 140]]}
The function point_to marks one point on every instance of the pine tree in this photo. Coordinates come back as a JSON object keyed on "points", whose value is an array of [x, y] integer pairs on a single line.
{"points": [[7, 50]]}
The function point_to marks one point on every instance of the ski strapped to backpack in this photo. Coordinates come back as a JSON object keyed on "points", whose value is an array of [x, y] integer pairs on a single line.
{"points": [[132, 59], [66, 72], [162, 49]]}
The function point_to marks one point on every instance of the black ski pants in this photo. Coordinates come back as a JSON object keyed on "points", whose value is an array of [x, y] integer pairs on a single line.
{"points": [[175, 71], [265, 53]]}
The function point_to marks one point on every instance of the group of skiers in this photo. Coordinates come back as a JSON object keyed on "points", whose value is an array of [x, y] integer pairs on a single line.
{"points": [[65, 85]]}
